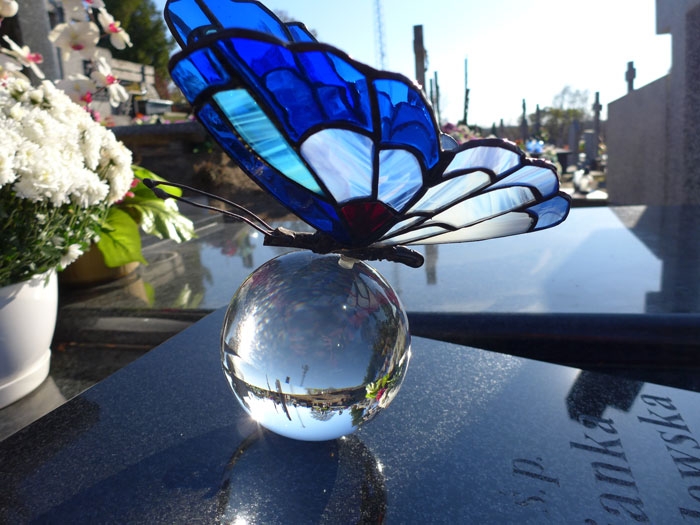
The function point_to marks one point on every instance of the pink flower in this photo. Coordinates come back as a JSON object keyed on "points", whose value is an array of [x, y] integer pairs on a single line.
{"points": [[117, 36], [81, 37], [104, 78], [24, 56]]}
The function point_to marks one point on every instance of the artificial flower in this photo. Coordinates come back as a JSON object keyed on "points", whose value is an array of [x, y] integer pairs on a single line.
{"points": [[117, 36], [74, 10], [8, 8], [104, 78], [9, 66], [95, 4], [78, 87], [24, 56], [79, 37]]}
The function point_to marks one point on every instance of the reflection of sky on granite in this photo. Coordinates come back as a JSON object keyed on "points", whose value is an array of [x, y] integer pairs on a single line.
{"points": [[590, 263]]}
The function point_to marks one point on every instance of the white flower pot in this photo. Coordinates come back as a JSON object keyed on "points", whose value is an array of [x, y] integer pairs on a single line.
{"points": [[27, 321]]}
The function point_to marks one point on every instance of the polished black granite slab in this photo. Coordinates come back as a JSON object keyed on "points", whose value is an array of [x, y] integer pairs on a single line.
{"points": [[612, 288], [472, 437], [616, 260]]}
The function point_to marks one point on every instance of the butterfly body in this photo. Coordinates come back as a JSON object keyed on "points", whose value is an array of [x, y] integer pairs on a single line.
{"points": [[353, 151]]}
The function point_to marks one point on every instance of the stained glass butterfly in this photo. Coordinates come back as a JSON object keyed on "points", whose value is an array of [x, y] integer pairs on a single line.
{"points": [[354, 152]]}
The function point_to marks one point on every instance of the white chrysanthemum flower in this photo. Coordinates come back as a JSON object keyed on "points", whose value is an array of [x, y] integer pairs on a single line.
{"points": [[79, 37], [54, 155], [117, 36], [72, 253], [12, 140], [88, 189]]}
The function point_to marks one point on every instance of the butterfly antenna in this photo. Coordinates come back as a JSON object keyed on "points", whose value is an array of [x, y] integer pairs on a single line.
{"points": [[246, 215]]}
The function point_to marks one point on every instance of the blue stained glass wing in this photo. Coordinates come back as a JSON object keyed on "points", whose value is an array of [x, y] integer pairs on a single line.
{"points": [[190, 20], [353, 151]]}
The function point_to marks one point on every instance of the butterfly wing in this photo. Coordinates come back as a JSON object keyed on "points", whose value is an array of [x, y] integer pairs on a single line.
{"points": [[353, 151], [483, 189], [190, 20], [322, 133]]}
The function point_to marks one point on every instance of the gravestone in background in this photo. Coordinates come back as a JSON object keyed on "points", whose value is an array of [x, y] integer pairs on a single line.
{"points": [[653, 151]]}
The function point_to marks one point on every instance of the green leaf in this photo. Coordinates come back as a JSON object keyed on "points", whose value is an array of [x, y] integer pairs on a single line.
{"points": [[120, 239], [142, 191], [162, 219], [156, 216]]}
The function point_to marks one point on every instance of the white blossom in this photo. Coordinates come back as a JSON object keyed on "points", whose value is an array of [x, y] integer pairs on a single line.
{"points": [[79, 37], [117, 36], [8, 8], [104, 78], [74, 10], [24, 56], [53, 151], [78, 87], [72, 253]]}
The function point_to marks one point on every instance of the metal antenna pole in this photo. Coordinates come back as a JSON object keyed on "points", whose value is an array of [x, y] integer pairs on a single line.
{"points": [[379, 33]]}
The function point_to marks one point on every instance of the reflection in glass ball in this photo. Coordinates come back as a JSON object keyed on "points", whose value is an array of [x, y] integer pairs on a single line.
{"points": [[313, 349]]}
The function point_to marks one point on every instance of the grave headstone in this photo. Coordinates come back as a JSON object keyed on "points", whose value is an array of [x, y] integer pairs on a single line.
{"points": [[573, 137], [651, 133], [590, 148]]}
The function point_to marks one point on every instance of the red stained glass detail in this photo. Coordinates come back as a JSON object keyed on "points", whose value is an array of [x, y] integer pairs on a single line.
{"points": [[365, 218]]}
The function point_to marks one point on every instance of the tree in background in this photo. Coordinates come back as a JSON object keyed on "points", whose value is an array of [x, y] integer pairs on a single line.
{"points": [[149, 35], [567, 107]]}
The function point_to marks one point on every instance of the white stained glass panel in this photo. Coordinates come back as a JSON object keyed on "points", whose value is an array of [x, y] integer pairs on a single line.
{"points": [[400, 177], [484, 206], [491, 158], [509, 224], [451, 191], [545, 180], [342, 159]]}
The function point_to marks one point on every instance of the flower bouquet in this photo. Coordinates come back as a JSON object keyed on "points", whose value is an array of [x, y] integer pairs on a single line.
{"points": [[60, 172], [66, 182]]}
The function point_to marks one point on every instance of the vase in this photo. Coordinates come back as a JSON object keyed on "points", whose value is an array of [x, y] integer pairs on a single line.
{"points": [[27, 322], [90, 270]]}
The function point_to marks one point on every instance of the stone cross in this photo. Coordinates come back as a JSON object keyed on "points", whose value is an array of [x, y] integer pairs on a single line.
{"points": [[630, 74], [596, 114], [523, 124]]}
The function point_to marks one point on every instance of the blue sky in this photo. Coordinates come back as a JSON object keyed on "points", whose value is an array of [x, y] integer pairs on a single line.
{"points": [[515, 49]]}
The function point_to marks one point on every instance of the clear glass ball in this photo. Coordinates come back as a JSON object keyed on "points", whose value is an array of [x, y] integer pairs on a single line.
{"points": [[313, 348]]}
